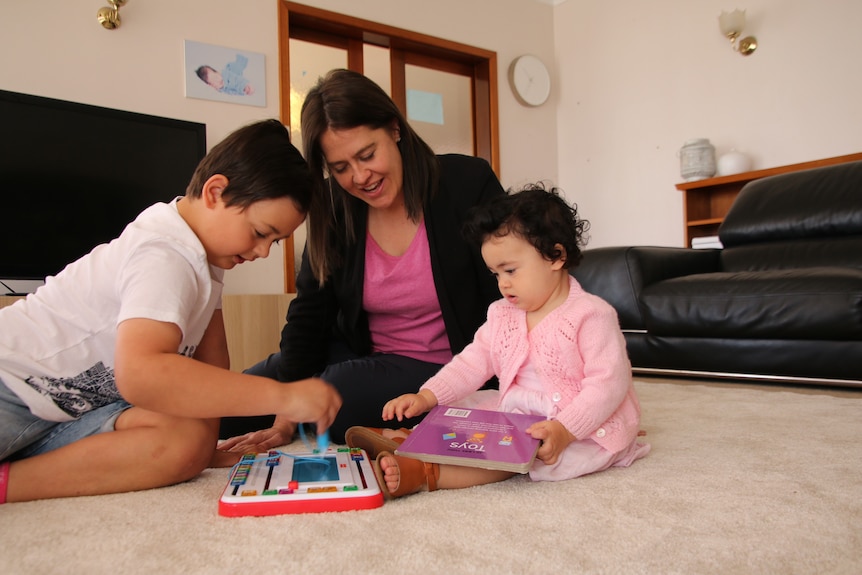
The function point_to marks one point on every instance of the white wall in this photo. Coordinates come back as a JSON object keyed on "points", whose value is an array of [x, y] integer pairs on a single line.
{"points": [[633, 81], [637, 79], [56, 48]]}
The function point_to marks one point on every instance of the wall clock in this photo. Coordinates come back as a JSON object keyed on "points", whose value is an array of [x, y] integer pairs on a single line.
{"points": [[530, 80]]}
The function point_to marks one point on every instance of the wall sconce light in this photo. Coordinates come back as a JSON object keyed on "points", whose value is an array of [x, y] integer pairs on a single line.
{"points": [[109, 16], [732, 24]]}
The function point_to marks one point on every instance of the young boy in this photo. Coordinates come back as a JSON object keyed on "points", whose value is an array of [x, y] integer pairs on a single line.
{"points": [[113, 373]]}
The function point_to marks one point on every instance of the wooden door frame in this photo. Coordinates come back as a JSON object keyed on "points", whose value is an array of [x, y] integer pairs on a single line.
{"points": [[405, 47]]}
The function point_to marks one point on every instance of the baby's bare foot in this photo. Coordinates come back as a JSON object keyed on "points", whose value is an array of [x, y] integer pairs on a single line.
{"points": [[391, 473]]}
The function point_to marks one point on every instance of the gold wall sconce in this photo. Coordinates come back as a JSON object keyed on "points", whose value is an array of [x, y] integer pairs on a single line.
{"points": [[732, 24], [109, 16]]}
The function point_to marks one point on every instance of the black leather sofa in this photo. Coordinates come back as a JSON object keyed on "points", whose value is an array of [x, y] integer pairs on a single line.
{"points": [[781, 301]]}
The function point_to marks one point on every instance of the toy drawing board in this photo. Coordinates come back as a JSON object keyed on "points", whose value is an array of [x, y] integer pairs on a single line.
{"points": [[275, 483]]}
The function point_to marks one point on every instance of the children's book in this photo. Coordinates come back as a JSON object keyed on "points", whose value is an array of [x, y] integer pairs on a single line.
{"points": [[473, 437]]}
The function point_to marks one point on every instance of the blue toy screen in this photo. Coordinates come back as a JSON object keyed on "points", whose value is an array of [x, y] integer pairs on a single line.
{"points": [[315, 469]]}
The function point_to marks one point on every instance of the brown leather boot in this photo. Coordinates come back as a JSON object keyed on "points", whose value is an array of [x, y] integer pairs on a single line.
{"points": [[415, 475]]}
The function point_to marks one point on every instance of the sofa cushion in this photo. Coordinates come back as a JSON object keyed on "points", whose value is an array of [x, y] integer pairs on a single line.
{"points": [[822, 303], [820, 202]]}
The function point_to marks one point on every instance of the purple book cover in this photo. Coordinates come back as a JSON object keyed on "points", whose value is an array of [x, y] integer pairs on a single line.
{"points": [[475, 438]]}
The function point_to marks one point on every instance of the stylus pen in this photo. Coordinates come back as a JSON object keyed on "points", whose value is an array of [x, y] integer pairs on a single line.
{"points": [[323, 441]]}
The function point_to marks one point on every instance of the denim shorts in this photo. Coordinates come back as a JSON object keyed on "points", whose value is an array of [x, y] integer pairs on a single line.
{"points": [[23, 435]]}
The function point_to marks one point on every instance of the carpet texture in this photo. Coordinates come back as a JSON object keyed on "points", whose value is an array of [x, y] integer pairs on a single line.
{"points": [[741, 479]]}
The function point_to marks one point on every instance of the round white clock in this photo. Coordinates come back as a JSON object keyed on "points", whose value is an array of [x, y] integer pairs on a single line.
{"points": [[530, 80]]}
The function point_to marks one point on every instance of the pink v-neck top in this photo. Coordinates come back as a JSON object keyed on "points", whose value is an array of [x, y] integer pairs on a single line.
{"points": [[399, 296]]}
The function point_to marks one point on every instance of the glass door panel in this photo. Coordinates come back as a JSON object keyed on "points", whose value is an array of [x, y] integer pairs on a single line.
{"points": [[375, 60], [440, 109], [308, 62]]}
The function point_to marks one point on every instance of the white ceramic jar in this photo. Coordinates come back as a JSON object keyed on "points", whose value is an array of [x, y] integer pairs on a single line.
{"points": [[697, 160], [733, 162]]}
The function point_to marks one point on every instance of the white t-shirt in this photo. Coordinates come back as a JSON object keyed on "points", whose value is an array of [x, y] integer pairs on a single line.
{"points": [[57, 346]]}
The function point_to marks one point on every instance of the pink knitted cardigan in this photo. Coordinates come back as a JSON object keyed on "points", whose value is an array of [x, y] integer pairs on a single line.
{"points": [[579, 354]]}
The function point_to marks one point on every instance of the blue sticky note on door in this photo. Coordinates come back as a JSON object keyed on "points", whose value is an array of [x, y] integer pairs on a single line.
{"points": [[425, 106]]}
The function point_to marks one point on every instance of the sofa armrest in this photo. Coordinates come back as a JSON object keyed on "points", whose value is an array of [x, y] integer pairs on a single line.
{"points": [[649, 265], [605, 272], [619, 274]]}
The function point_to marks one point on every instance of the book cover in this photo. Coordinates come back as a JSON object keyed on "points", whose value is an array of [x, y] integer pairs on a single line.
{"points": [[706, 242], [475, 438]]}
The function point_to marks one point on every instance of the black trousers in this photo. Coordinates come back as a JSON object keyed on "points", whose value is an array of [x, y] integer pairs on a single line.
{"points": [[365, 383]]}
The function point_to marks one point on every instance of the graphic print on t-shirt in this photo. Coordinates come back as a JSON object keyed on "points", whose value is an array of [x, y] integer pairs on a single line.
{"points": [[79, 394]]}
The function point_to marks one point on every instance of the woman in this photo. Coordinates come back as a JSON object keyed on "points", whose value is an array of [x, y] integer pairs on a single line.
{"points": [[388, 289]]}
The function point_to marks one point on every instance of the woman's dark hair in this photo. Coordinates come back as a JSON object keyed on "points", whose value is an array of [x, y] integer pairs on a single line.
{"points": [[341, 100], [259, 163], [539, 215]]}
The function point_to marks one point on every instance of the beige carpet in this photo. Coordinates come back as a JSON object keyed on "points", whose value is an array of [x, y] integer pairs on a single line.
{"points": [[741, 479]]}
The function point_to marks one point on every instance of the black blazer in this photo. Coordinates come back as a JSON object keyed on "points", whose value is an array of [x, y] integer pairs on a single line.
{"points": [[464, 285]]}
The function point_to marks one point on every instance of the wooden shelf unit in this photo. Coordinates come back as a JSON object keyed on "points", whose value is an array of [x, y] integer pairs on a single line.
{"points": [[706, 202], [9, 299], [252, 324]]}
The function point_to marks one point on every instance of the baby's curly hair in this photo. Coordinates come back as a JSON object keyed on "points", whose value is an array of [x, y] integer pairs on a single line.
{"points": [[539, 215]]}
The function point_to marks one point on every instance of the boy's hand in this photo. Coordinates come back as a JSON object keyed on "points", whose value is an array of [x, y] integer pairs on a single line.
{"points": [[555, 438], [310, 400], [409, 405]]}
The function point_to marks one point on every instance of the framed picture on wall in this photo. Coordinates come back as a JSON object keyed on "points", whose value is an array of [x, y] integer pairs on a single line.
{"points": [[224, 74]]}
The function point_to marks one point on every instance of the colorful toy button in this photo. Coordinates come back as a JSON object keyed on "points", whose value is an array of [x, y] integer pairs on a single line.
{"points": [[327, 489]]}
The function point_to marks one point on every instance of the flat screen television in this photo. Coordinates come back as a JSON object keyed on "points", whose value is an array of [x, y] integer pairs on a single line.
{"points": [[73, 175]]}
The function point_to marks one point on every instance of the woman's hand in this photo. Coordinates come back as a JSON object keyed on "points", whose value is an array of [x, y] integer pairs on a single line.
{"points": [[555, 438], [260, 441]]}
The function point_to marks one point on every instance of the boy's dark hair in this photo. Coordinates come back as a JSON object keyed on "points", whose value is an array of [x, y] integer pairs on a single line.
{"points": [[259, 163], [539, 215]]}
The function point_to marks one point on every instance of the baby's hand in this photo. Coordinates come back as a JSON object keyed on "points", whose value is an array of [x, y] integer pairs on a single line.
{"points": [[555, 438], [408, 405]]}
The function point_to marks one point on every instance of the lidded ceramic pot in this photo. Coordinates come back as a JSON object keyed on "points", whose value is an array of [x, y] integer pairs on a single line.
{"points": [[697, 160], [733, 162]]}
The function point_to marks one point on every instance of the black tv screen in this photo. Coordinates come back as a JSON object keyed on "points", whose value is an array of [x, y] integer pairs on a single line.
{"points": [[73, 175]]}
